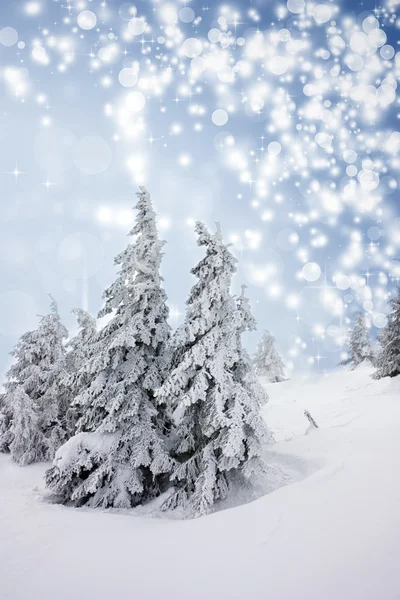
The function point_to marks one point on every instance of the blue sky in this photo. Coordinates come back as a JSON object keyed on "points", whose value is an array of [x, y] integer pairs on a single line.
{"points": [[279, 120]]}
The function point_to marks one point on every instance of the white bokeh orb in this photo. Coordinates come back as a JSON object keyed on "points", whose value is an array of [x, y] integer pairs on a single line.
{"points": [[137, 26], [128, 77], [369, 180], [110, 53], [186, 14], [274, 148], [87, 20], [135, 101], [377, 38], [214, 35], [343, 282], [322, 13], [350, 156], [219, 117], [359, 43], [374, 233], [192, 47], [8, 36], [387, 52], [370, 23], [278, 65], [311, 271], [296, 6], [380, 320]]}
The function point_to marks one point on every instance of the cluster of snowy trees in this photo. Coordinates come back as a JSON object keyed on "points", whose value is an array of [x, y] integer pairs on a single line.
{"points": [[33, 421], [131, 411], [387, 359]]}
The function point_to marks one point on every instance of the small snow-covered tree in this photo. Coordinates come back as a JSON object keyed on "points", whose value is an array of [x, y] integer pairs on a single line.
{"points": [[388, 361], [80, 349], [28, 444], [267, 361], [118, 457], [219, 430], [360, 347], [54, 403], [35, 402], [248, 426], [5, 423]]}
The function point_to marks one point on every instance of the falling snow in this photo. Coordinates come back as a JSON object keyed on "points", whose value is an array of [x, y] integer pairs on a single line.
{"points": [[297, 104]]}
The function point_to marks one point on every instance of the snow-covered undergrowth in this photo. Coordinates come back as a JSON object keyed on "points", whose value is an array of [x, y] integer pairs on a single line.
{"points": [[328, 526]]}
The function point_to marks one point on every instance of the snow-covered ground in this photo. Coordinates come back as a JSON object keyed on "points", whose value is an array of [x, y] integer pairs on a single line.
{"points": [[331, 531]]}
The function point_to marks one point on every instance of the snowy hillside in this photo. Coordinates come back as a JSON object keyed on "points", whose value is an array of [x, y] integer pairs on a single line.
{"points": [[330, 530]]}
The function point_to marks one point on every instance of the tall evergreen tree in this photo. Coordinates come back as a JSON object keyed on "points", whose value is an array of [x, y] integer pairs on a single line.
{"points": [[267, 361], [388, 362], [219, 430], [118, 457], [35, 403], [360, 347]]}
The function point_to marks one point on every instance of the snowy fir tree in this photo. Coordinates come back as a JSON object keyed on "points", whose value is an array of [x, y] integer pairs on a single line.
{"points": [[5, 424], [249, 430], [35, 403], [388, 361], [118, 458], [219, 430], [27, 444], [79, 350], [267, 361], [360, 347]]}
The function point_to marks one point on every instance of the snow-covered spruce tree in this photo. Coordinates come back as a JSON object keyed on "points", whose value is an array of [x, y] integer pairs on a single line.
{"points": [[267, 361], [35, 402], [79, 350], [28, 443], [247, 428], [360, 347], [118, 457], [219, 430], [5, 423], [388, 361]]}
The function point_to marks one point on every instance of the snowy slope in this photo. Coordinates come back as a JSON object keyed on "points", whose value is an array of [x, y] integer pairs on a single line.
{"points": [[331, 533]]}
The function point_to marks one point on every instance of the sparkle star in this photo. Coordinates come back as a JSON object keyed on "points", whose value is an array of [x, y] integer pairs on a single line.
{"points": [[175, 314], [47, 184], [16, 172]]}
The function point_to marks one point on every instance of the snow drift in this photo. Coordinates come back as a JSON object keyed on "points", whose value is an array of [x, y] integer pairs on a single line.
{"points": [[331, 530]]}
